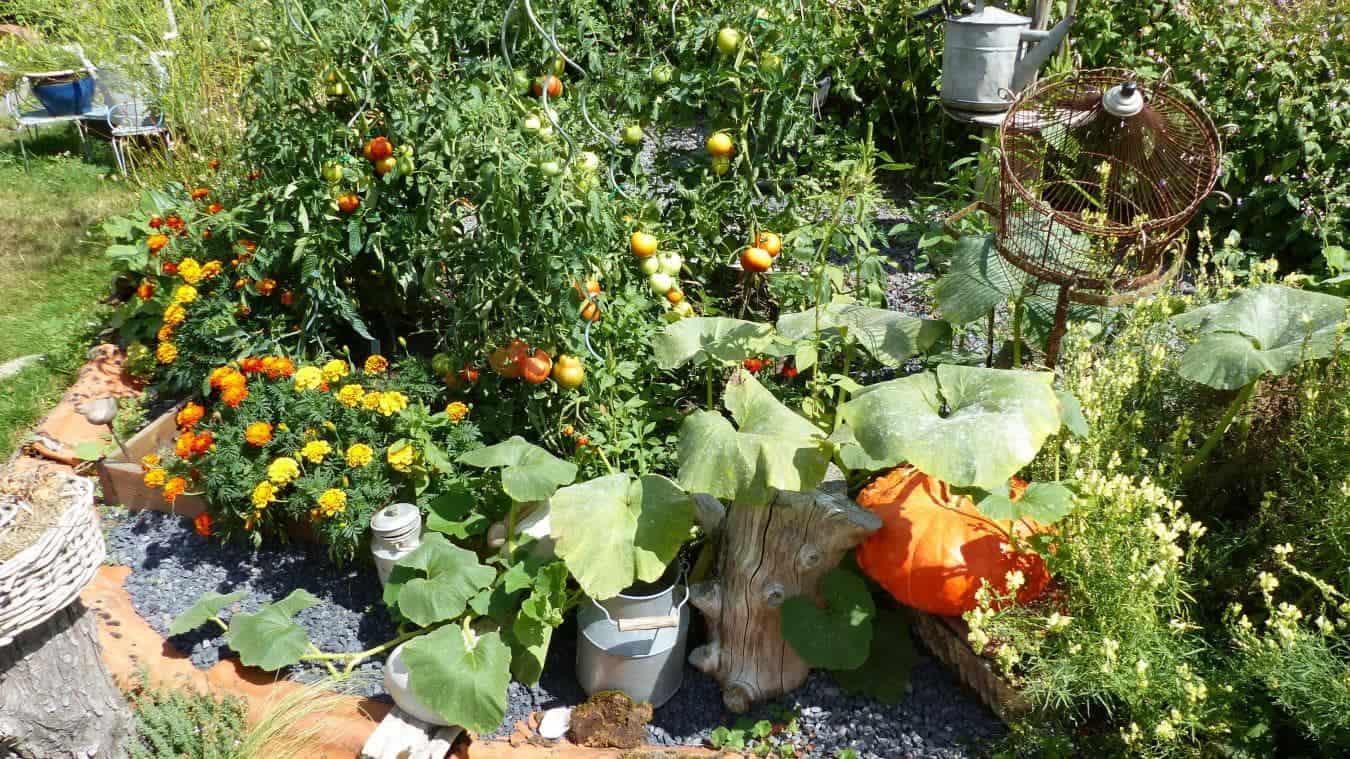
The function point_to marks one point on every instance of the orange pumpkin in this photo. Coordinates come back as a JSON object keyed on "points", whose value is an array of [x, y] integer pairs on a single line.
{"points": [[934, 548]]}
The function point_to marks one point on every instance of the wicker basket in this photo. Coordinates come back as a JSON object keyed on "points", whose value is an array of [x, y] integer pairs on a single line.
{"points": [[946, 638], [48, 575]]}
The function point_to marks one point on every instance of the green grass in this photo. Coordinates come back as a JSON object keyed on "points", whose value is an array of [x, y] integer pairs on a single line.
{"points": [[52, 274]]}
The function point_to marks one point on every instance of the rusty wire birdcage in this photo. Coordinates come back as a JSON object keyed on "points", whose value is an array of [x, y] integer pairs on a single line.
{"points": [[1100, 174]]}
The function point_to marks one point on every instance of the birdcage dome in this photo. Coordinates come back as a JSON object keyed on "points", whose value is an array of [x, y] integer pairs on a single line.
{"points": [[1101, 172]]}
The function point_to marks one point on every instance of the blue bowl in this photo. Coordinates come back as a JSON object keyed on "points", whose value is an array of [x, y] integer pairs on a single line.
{"points": [[66, 98]]}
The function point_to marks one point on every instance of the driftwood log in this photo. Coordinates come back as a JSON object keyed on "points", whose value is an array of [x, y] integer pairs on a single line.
{"points": [[56, 698], [768, 555]]}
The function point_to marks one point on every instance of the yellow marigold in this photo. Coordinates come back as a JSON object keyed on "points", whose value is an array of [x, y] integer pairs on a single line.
{"points": [[371, 401], [376, 364], [150, 461], [315, 451], [263, 494], [402, 455], [308, 378], [174, 315], [190, 271], [359, 454], [258, 433], [350, 395], [457, 410], [335, 370], [185, 294], [175, 487], [166, 353], [332, 502], [211, 269], [391, 403], [283, 470], [155, 478]]}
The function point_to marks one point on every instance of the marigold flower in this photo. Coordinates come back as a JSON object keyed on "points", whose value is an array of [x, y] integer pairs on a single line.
{"points": [[165, 333], [146, 290], [315, 450], [258, 434], [359, 454], [241, 283], [248, 245], [190, 415], [190, 271], [251, 365], [263, 494], [276, 367], [215, 208], [185, 294], [376, 364], [202, 442], [371, 401], [175, 314], [170, 268], [174, 221], [283, 470], [308, 378], [457, 410], [402, 455], [200, 193], [350, 395], [212, 269], [182, 447], [233, 395], [156, 243], [332, 502], [150, 461], [266, 285], [335, 370], [217, 376], [202, 524], [166, 353], [391, 403], [155, 478], [174, 488]]}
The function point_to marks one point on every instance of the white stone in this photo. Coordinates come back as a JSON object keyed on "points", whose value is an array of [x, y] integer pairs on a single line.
{"points": [[555, 723]]}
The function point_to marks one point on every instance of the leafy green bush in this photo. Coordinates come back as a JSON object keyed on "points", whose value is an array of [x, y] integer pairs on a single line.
{"points": [[187, 725]]}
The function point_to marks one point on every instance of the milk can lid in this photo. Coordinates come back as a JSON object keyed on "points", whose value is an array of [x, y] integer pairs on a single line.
{"points": [[394, 517]]}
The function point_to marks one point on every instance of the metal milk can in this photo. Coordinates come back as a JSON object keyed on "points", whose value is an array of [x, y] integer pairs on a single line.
{"points": [[635, 643], [395, 532], [983, 64]]}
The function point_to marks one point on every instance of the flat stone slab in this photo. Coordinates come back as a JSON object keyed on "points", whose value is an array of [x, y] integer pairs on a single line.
{"points": [[12, 368]]}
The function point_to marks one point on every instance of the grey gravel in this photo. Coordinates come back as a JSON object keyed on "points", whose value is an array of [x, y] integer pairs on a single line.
{"points": [[172, 566]]}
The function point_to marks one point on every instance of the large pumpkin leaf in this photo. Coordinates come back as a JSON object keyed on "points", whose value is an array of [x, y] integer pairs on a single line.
{"points": [[460, 676], [885, 674], [529, 473], [978, 282], [435, 582], [891, 338], [616, 530], [207, 607], [709, 338], [769, 447], [837, 636], [1044, 502], [1269, 330], [532, 629], [270, 638], [965, 425]]}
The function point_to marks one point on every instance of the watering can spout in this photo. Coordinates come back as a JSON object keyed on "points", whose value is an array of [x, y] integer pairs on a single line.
{"points": [[1042, 45]]}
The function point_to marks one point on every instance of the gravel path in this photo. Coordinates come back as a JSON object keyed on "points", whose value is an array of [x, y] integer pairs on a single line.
{"points": [[172, 566]]}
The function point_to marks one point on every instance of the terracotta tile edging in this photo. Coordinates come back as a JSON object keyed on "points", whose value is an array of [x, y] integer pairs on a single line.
{"points": [[131, 647]]}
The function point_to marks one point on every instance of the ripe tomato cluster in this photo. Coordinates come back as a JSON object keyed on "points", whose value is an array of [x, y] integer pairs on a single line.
{"points": [[533, 365], [760, 254]]}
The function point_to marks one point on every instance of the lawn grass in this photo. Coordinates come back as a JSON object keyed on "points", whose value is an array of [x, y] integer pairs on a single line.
{"points": [[52, 274]]}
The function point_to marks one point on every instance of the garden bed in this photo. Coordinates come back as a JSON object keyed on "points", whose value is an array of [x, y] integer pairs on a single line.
{"points": [[171, 566]]}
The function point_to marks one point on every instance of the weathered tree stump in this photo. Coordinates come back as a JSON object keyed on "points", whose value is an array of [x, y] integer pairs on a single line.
{"points": [[56, 698], [768, 555]]}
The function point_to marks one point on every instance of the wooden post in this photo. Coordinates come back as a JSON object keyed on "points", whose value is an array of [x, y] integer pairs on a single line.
{"points": [[769, 554]]}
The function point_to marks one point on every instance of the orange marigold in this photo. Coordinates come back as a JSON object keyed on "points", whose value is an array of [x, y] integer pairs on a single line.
{"points": [[222, 375], [248, 245], [190, 415], [251, 365], [277, 367], [200, 193], [258, 433], [183, 445], [174, 488], [146, 290], [266, 286], [156, 243], [376, 364], [202, 443], [234, 395], [212, 269], [165, 333], [202, 524], [215, 208]]}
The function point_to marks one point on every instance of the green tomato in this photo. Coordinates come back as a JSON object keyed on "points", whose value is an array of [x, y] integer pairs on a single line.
{"points": [[589, 162], [728, 40], [559, 65], [531, 124], [649, 265], [546, 133], [406, 165], [551, 168], [660, 283], [721, 165], [771, 62], [337, 90], [663, 74], [632, 135], [521, 81], [671, 263], [332, 171]]}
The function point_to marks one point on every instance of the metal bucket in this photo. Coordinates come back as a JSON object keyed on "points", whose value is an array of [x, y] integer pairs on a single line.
{"points": [[635, 642]]}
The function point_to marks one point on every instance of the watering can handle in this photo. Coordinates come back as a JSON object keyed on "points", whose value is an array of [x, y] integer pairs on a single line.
{"points": [[649, 623]]}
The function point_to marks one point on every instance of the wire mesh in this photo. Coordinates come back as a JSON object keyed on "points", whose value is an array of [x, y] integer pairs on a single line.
{"points": [[1095, 201]]}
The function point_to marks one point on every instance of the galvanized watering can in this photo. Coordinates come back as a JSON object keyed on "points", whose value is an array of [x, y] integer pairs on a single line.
{"points": [[635, 642], [983, 63]]}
